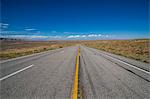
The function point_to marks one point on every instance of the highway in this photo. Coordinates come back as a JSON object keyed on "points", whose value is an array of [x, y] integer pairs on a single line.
{"points": [[52, 74]]}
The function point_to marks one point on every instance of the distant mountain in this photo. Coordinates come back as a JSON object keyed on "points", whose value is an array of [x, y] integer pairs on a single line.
{"points": [[10, 39]]}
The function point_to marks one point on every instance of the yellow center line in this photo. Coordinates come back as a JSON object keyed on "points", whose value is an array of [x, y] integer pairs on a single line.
{"points": [[75, 86]]}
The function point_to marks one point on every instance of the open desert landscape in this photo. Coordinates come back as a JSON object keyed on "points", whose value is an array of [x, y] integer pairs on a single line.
{"points": [[137, 49], [74, 49]]}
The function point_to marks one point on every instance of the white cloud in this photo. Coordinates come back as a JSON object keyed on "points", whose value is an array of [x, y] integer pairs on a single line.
{"points": [[30, 29], [88, 36], [58, 37], [74, 36], [32, 37], [38, 35], [4, 25], [95, 35]]}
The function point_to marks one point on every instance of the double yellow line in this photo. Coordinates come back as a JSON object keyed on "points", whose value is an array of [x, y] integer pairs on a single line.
{"points": [[76, 83]]}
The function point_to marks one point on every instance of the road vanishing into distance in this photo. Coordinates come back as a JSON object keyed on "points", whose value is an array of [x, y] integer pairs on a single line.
{"points": [[74, 72]]}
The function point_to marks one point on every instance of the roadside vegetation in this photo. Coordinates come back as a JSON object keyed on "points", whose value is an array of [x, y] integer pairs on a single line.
{"points": [[135, 49], [12, 49]]}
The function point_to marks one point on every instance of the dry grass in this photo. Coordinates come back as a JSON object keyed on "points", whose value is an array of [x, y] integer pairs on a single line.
{"points": [[20, 48], [135, 49]]}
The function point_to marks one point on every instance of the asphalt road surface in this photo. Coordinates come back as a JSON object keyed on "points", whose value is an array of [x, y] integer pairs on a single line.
{"points": [[50, 75]]}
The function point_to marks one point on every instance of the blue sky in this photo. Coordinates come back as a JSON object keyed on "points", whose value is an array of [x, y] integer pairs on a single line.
{"points": [[74, 19]]}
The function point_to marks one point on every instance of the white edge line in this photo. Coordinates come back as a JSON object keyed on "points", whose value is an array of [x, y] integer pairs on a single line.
{"points": [[129, 65], [5, 77]]}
